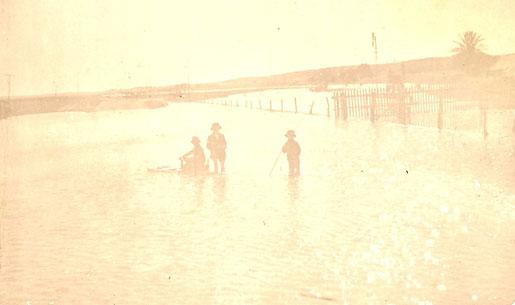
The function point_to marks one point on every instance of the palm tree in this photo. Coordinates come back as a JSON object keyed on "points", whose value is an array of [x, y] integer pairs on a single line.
{"points": [[469, 55], [469, 44]]}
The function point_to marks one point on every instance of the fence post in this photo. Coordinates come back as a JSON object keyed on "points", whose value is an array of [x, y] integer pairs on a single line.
{"points": [[282, 105], [349, 103], [311, 109], [343, 104], [484, 119], [270, 104], [402, 104], [408, 108], [335, 104], [373, 107], [440, 111], [296, 110], [338, 103], [328, 108], [359, 101]]}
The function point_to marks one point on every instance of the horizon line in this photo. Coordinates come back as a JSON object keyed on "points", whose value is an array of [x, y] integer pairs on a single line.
{"points": [[96, 92]]}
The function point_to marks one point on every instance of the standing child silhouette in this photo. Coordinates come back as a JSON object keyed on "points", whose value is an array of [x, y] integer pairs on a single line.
{"points": [[216, 144], [292, 150]]}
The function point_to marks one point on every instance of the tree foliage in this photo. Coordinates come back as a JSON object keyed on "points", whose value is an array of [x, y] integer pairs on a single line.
{"points": [[469, 55], [469, 44]]}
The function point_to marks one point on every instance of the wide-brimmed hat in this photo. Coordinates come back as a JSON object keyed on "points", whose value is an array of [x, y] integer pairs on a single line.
{"points": [[290, 133], [195, 140], [216, 125]]}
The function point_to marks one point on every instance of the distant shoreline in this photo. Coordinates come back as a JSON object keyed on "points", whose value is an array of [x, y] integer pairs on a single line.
{"points": [[104, 101], [154, 98], [496, 84], [20, 107]]}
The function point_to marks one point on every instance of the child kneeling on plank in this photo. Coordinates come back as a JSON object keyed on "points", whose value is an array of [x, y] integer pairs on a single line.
{"points": [[194, 161]]}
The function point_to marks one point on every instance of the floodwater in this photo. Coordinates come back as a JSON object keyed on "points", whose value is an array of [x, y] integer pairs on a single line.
{"points": [[382, 214]]}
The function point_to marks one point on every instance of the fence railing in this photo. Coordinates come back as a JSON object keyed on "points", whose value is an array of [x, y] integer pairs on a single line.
{"points": [[439, 106], [400, 104]]}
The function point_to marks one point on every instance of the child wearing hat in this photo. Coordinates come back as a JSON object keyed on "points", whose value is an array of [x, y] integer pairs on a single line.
{"points": [[216, 144], [292, 150], [194, 161]]}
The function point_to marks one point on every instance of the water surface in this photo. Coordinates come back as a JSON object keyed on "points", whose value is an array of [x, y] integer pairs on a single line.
{"points": [[382, 214]]}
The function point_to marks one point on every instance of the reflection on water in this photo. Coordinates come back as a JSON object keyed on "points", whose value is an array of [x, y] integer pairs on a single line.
{"points": [[381, 214], [293, 189], [219, 189]]}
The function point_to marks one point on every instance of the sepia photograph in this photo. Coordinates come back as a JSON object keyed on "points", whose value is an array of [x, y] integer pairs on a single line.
{"points": [[257, 152]]}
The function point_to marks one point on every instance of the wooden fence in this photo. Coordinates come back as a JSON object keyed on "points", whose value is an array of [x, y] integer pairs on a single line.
{"points": [[397, 103], [437, 106]]}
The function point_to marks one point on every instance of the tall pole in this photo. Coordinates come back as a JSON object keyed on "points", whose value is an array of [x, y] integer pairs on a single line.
{"points": [[374, 46]]}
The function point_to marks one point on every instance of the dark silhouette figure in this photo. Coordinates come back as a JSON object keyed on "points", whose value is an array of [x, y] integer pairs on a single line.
{"points": [[292, 150], [194, 161], [216, 144]]}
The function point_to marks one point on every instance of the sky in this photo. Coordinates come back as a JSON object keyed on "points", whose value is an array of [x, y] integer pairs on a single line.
{"points": [[90, 45]]}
